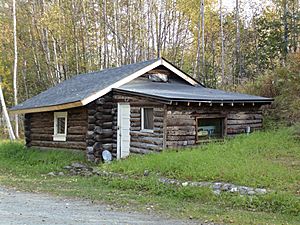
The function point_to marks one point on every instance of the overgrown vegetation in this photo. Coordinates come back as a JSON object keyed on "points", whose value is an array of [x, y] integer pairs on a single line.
{"points": [[282, 84], [265, 159]]}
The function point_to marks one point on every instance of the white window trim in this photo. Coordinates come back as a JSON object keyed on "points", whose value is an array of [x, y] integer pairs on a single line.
{"points": [[142, 120], [56, 136]]}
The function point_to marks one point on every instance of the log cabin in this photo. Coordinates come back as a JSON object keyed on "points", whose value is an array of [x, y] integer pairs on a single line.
{"points": [[138, 108]]}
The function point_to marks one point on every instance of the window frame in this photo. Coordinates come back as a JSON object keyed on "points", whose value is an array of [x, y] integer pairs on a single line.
{"points": [[224, 128], [57, 136], [142, 120]]}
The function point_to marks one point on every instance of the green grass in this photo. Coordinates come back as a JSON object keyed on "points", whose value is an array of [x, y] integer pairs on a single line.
{"points": [[265, 159]]}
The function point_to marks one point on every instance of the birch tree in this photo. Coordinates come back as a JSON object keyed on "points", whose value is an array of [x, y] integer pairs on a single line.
{"points": [[222, 45], [6, 117], [15, 67]]}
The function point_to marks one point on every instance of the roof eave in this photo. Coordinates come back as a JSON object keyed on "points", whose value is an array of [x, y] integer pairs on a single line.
{"points": [[47, 108], [170, 100]]}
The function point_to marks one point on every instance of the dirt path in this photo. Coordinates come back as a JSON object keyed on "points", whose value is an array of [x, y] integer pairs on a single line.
{"points": [[30, 208]]}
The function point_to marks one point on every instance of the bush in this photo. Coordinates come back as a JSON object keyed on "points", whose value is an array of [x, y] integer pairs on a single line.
{"points": [[282, 84]]}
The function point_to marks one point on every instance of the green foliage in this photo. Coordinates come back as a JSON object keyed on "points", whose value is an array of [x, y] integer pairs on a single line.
{"points": [[282, 84]]}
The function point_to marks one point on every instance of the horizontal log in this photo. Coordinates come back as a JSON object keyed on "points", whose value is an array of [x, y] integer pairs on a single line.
{"points": [[145, 146], [243, 126], [42, 137], [77, 123], [181, 132], [77, 130], [74, 137], [55, 144], [140, 150], [44, 130], [181, 128], [181, 122], [148, 140], [181, 138], [146, 134], [244, 116], [237, 122]]}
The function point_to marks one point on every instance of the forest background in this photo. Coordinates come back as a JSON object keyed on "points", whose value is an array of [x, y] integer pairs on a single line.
{"points": [[249, 46]]}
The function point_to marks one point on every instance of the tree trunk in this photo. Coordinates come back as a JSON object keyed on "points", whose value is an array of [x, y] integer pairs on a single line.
{"points": [[15, 68], [285, 28], [6, 117], [238, 46], [197, 63], [202, 44], [222, 46]]}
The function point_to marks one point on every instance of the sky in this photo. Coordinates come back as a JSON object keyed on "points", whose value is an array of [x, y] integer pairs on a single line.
{"points": [[247, 5], [229, 4]]}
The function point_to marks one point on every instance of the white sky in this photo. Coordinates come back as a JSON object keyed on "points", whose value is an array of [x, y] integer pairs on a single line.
{"points": [[246, 4]]}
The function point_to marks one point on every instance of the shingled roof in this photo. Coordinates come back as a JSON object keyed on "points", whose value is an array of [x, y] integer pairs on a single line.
{"points": [[176, 91], [85, 88]]}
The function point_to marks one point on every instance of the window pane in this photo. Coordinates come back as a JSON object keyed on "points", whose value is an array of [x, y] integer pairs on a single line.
{"points": [[60, 125], [148, 118], [210, 128]]}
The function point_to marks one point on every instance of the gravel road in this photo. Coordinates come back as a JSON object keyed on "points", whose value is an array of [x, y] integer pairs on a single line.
{"points": [[30, 208]]}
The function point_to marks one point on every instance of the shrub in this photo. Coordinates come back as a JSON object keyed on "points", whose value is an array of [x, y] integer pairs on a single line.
{"points": [[282, 84]]}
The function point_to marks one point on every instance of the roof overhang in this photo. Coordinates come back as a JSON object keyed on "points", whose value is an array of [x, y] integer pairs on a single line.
{"points": [[187, 100], [106, 90], [48, 108]]}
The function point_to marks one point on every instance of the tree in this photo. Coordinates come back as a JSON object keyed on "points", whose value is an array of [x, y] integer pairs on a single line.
{"points": [[6, 117], [15, 67], [222, 45]]}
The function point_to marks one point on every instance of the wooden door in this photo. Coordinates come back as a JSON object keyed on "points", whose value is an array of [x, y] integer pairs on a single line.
{"points": [[123, 133]]}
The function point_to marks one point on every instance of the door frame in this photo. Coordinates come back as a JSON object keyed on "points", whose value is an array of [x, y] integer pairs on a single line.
{"points": [[119, 133]]}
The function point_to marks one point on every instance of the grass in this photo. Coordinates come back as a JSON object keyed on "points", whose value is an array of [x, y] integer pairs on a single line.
{"points": [[265, 159]]}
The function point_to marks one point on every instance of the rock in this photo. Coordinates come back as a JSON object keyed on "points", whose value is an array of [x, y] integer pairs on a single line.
{"points": [[185, 184], [90, 150], [226, 187], [243, 190], [251, 192], [233, 189], [217, 185], [51, 174], [146, 173], [260, 191], [61, 174], [91, 157], [78, 165], [68, 167]]}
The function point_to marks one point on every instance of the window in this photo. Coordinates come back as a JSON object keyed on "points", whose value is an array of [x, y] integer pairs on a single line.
{"points": [[158, 77], [210, 128], [60, 126], [147, 123]]}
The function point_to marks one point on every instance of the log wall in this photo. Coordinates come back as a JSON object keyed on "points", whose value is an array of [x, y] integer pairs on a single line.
{"points": [[181, 121], [94, 127], [39, 129], [143, 141], [102, 127]]}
